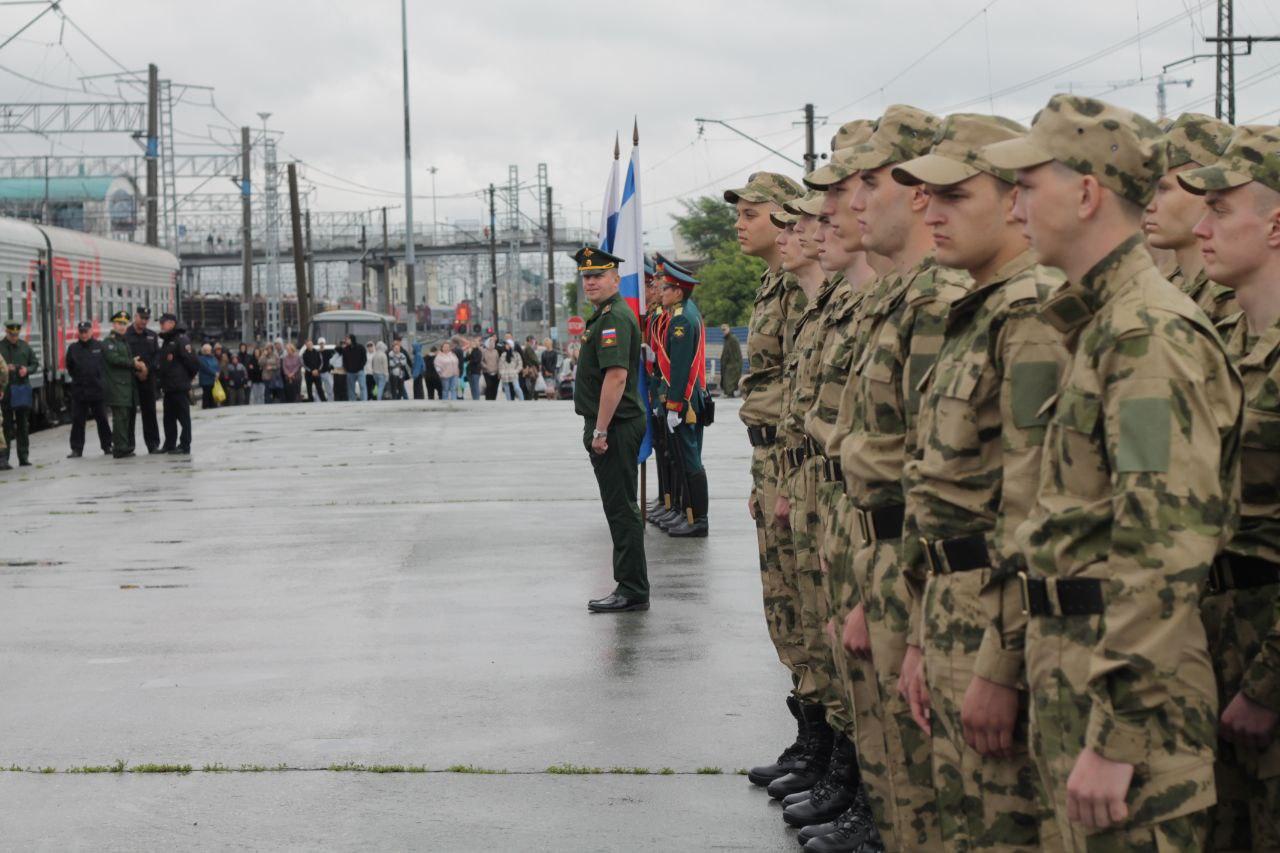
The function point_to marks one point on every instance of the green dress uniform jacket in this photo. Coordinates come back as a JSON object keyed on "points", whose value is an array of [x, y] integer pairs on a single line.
{"points": [[19, 354], [120, 389]]}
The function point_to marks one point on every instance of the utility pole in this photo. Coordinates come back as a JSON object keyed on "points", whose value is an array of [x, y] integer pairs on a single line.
{"points": [[364, 271], [1225, 77], [384, 295], [810, 155], [153, 151], [551, 269], [299, 253], [412, 319], [246, 241], [493, 255], [311, 262]]}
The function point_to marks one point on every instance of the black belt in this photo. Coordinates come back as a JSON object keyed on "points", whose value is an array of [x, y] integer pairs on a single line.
{"points": [[1230, 571], [796, 456], [962, 554], [833, 471], [876, 525], [762, 436], [1074, 596]]}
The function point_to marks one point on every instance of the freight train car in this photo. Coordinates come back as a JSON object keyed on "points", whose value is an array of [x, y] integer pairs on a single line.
{"points": [[52, 278]]}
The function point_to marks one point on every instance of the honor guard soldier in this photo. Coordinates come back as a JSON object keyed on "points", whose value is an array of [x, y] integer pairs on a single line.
{"points": [[662, 511], [683, 364], [1139, 490], [16, 406], [87, 367], [121, 393], [144, 344], [605, 395], [1238, 235]]}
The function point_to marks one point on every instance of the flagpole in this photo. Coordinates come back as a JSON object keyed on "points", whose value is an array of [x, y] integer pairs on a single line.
{"points": [[644, 466]]}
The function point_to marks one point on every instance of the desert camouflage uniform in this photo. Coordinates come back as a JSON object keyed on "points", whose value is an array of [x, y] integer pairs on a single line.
{"points": [[974, 475], [1242, 617]]}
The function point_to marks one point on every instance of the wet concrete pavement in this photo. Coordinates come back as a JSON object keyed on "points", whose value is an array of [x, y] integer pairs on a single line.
{"points": [[377, 584]]}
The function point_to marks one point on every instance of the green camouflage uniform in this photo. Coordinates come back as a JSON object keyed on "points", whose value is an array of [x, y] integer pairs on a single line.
{"points": [[1243, 621], [778, 303], [1200, 140], [896, 340], [121, 390], [971, 480], [1138, 491]]}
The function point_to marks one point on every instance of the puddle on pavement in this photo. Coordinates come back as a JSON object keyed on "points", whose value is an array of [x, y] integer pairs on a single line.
{"points": [[28, 563]]}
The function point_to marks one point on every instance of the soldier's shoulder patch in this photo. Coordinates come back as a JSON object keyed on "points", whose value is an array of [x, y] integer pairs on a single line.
{"points": [[678, 311], [606, 309], [678, 331], [608, 337]]}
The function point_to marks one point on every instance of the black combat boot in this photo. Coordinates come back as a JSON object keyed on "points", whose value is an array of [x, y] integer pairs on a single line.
{"points": [[834, 793], [698, 501], [855, 831], [791, 758], [816, 753]]}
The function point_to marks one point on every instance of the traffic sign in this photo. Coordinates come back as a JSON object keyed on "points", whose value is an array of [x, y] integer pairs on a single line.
{"points": [[577, 326]]}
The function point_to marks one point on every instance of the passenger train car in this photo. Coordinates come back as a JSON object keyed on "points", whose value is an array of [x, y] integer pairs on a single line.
{"points": [[52, 278]]}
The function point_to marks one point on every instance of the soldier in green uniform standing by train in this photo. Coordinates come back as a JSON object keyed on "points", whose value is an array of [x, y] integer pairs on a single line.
{"points": [[605, 395], [682, 362], [122, 395], [16, 407]]}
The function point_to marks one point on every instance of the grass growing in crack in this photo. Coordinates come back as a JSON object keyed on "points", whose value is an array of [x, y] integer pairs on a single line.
{"points": [[629, 771], [48, 770], [471, 768], [182, 769], [666, 771], [741, 771], [92, 768], [567, 769], [215, 768], [709, 771], [253, 768]]}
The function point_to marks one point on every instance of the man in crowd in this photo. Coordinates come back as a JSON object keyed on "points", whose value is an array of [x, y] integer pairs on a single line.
{"points": [[313, 368], [176, 366], [144, 344], [16, 406], [87, 368], [121, 393], [730, 362]]}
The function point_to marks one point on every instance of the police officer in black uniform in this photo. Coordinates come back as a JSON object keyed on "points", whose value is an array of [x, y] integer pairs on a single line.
{"points": [[87, 369], [176, 367], [144, 344], [605, 395]]}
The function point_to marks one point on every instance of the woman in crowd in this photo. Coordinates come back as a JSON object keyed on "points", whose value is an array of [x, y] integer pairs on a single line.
{"points": [[457, 345], [291, 364], [238, 392], [208, 376], [398, 367], [510, 367], [489, 369], [447, 369], [430, 377], [475, 368], [380, 369], [253, 366], [419, 372], [271, 374], [550, 359]]}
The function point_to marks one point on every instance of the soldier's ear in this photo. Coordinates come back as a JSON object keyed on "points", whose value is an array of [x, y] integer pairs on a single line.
{"points": [[919, 198], [1090, 197]]}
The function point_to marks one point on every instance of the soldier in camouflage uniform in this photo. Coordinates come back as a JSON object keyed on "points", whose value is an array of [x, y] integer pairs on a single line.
{"points": [[1240, 608], [896, 339], [1138, 492], [836, 791], [770, 331], [971, 480], [1192, 141]]}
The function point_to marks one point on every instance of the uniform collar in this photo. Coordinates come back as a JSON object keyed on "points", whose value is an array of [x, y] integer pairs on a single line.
{"points": [[971, 300], [1264, 348], [1120, 266]]}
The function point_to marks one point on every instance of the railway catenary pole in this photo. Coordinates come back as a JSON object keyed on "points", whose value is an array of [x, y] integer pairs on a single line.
{"points": [[493, 255], [551, 269], [410, 300], [246, 248], [299, 253], [385, 292], [153, 151]]}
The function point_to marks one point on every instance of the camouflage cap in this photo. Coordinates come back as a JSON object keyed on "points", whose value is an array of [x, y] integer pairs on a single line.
{"points": [[853, 133], [957, 151], [782, 218], [1196, 138], [903, 133], [809, 204], [1253, 154], [1117, 146], [766, 186]]}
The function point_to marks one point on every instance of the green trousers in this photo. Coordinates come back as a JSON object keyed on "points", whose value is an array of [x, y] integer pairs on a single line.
{"points": [[121, 419], [616, 471], [16, 425]]}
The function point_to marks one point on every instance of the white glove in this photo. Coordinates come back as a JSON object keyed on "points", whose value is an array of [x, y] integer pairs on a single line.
{"points": [[647, 353], [673, 421]]}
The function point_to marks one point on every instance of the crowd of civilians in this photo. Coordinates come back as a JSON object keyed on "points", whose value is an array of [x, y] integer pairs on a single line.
{"points": [[351, 370]]}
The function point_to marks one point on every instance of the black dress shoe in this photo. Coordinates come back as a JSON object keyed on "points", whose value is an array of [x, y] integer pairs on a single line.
{"points": [[75, 454], [123, 455], [179, 451], [165, 449], [22, 463], [685, 530], [153, 448], [615, 603]]}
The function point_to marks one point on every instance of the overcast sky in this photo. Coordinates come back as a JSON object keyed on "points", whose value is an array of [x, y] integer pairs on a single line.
{"points": [[500, 83]]}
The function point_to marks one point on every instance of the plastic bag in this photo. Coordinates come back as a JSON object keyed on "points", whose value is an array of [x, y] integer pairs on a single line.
{"points": [[219, 395]]}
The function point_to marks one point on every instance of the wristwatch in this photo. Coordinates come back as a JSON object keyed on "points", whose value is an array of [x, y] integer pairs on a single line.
{"points": [[595, 433]]}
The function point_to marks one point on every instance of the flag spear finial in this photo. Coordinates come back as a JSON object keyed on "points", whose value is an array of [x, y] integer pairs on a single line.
{"points": [[617, 151], [635, 131]]}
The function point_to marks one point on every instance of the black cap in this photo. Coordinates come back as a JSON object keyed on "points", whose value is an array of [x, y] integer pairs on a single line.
{"points": [[85, 326], [166, 317], [143, 311]]}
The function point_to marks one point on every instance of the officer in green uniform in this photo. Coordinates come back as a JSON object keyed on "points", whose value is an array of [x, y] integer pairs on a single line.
{"points": [[613, 423], [122, 395], [684, 374], [16, 406]]}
